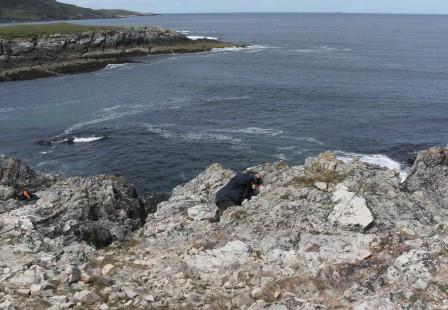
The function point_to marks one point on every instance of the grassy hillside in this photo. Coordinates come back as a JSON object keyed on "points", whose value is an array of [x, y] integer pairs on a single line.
{"points": [[26, 31], [41, 10]]}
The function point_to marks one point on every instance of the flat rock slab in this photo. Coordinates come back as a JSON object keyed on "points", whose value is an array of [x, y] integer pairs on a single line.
{"points": [[351, 211], [203, 212], [87, 297], [212, 261]]}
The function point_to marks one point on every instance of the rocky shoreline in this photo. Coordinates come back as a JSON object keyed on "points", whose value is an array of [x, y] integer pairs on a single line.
{"points": [[325, 235], [44, 56]]}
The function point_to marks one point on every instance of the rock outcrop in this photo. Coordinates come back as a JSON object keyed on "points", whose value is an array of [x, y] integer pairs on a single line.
{"points": [[98, 210], [47, 55], [324, 235]]}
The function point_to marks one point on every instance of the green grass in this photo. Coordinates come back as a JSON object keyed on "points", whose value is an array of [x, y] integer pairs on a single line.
{"points": [[27, 31], [44, 10]]}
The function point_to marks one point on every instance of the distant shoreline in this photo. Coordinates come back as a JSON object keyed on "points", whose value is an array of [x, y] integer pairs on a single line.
{"points": [[9, 22], [31, 52]]}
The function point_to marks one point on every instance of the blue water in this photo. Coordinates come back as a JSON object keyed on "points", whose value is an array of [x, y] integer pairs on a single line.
{"points": [[369, 84]]}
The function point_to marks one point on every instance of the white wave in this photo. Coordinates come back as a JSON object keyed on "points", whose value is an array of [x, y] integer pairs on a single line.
{"points": [[261, 131], [6, 110], [229, 49], [108, 114], [114, 66], [86, 139], [66, 140], [193, 137], [184, 31], [218, 99], [161, 132], [286, 148], [207, 137], [195, 38], [375, 159], [253, 131], [307, 139], [322, 49], [102, 119], [250, 48]]}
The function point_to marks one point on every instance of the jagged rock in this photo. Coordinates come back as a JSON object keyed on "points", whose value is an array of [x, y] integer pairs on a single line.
{"points": [[130, 293], [287, 248], [58, 300], [379, 303], [429, 173], [5, 305], [72, 52], [35, 289], [203, 212], [30, 276], [21, 47], [16, 175], [106, 269], [350, 210], [212, 261], [23, 291], [72, 274], [412, 268], [152, 200], [6, 192], [99, 210], [87, 297], [204, 186]]}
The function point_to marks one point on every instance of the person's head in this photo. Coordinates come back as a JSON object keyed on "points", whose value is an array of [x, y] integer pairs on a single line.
{"points": [[259, 179]]}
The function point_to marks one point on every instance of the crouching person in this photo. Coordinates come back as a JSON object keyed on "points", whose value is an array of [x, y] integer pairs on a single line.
{"points": [[241, 187]]}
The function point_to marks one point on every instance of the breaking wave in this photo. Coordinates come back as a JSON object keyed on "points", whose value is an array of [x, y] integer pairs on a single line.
{"points": [[71, 140], [250, 48], [87, 139], [375, 159], [114, 66], [195, 38], [322, 49]]}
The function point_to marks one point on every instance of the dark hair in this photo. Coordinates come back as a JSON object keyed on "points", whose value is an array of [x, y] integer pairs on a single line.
{"points": [[258, 181]]}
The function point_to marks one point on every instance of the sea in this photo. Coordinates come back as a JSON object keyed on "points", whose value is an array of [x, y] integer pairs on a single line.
{"points": [[366, 85]]}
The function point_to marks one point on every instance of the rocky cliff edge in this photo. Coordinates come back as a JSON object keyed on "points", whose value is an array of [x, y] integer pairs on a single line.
{"points": [[324, 235]]}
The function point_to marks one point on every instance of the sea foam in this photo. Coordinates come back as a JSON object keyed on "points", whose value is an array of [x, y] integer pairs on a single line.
{"points": [[87, 139], [250, 48], [193, 136], [195, 38], [375, 159]]}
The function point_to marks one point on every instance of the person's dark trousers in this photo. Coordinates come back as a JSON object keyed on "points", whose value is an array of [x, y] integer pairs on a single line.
{"points": [[223, 206]]}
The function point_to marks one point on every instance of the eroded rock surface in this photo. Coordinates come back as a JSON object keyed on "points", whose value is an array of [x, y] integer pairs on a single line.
{"points": [[325, 235]]}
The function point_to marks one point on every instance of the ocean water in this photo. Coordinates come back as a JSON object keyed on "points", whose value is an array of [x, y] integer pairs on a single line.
{"points": [[374, 86]]}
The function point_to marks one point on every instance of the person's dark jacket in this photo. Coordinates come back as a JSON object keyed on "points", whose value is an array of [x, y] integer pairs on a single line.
{"points": [[238, 189]]}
